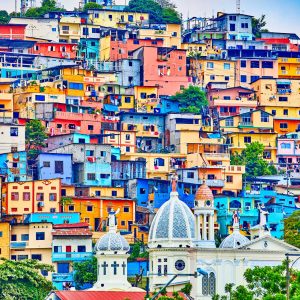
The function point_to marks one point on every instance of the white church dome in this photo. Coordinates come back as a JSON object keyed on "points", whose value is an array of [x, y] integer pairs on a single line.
{"points": [[112, 241], [173, 225], [234, 240]]}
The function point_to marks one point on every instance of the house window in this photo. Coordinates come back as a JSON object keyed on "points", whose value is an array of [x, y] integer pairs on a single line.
{"points": [[159, 162], [243, 78], [243, 63], [127, 100], [123, 223], [247, 139], [71, 208], [40, 236], [229, 122], [126, 209], [254, 64], [91, 176], [81, 248], [14, 131], [36, 256], [267, 64], [46, 164], [274, 112], [90, 127], [283, 125], [59, 167], [210, 176], [52, 197], [103, 153], [226, 78], [13, 238], [24, 237], [98, 193], [210, 65], [226, 66], [264, 117], [232, 27], [40, 196], [15, 196], [26, 196], [232, 18], [190, 174], [57, 249], [244, 25], [89, 208], [282, 99], [114, 193], [267, 154], [127, 137], [212, 77], [285, 112], [229, 179]]}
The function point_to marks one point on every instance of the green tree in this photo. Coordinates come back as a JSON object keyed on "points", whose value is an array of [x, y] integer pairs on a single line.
{"points": [[166, 4], [171, 16], [292, 229], [252, 158], [46, 6], [35, 136], [258, 25], [191, 99], [91, 5], [22, 280], [4, 17], [85, 272], [157, 13]]}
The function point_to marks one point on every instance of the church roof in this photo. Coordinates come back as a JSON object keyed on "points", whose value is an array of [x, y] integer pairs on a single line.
{"points": [[96, 295], [173, 224], [234, 240], [204, 193], [112, 241]]}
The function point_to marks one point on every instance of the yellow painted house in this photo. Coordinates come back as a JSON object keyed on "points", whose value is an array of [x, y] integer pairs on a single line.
{"points": [[26, 99], [171, 35], [146, 98], [116, 18], [32, 241], [201, 49], [288, 67], [69, 29], [213, 70], [5, 240], [280, 97], [6, 99], [246, 128]]}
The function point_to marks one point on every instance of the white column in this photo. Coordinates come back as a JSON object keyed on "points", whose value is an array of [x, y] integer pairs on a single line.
{"points": [[204, 229], [198, 228], [211, 227]]}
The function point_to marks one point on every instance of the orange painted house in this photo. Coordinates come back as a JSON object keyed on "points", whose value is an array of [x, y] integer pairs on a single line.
{"points": [[12, 31]]}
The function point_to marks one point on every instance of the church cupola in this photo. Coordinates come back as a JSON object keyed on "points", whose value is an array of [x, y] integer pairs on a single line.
{"points": [[204, 212]]}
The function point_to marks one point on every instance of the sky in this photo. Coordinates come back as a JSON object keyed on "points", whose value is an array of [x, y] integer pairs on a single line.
{"points": [[282, 15]]}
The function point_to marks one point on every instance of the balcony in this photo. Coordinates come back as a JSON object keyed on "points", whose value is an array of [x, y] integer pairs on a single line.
{"points": [[71, 256], [18, 245], [245, 124], [62, 277], [214, 182], [77, 116]]}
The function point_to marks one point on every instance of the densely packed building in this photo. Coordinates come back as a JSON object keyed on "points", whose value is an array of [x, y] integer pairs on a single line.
{"points": [[101, 83]]}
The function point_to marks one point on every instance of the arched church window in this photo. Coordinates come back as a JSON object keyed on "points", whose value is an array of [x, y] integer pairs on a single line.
{"points": [[212, 284], [205, 285], [235, 204], [209, 284]]}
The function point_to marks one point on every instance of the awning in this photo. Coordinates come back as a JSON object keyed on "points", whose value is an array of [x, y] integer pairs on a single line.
{"points": [[111, 107], [283, 81]]}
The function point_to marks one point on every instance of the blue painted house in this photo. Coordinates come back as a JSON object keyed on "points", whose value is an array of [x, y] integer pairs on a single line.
{"points": [[279, 206], [55, 165], [54, 218], [14, 166]]}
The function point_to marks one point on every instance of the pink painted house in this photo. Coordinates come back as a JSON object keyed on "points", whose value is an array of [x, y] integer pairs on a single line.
{"points": [[288, 149], [231, 101], [164, 68]]}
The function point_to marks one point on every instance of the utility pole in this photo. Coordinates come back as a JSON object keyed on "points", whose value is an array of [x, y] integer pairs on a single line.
{"points": [[288, 275], [238, 6]]}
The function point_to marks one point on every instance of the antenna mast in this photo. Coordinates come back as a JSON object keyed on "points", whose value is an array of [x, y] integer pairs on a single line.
{"points": [[238, 6]]}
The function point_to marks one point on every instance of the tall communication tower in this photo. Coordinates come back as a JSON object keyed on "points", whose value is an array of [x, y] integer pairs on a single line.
{"points": [[238, 6]]}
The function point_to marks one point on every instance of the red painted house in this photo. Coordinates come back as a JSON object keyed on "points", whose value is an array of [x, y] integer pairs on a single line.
{"points": [[58, 50], [164, 68], [12, 31], [121, 50], [281, 44]]}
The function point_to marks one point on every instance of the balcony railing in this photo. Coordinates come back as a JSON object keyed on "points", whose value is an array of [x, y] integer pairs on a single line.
{"points": [[18, 245], [71, 256], [246, 124], [62, 277], [214, 182]]}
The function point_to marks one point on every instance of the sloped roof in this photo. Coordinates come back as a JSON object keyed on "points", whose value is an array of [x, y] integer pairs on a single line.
{"points": [[97, 295], [78, 229]]}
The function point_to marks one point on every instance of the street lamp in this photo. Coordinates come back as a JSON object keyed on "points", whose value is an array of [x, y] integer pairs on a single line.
{"points": [[288, 271], [199, 271]]}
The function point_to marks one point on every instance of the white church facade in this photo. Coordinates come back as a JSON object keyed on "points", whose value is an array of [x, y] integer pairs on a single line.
{"points": [[182, 243]]}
